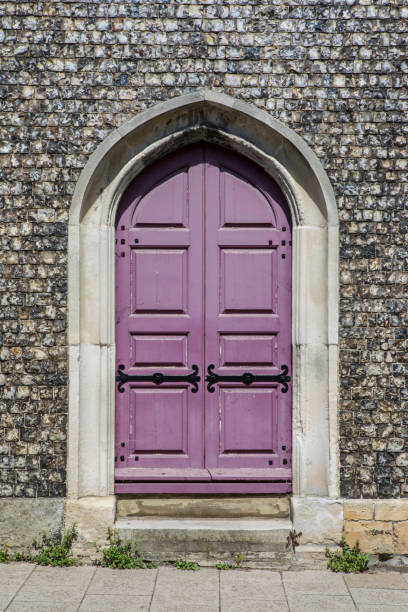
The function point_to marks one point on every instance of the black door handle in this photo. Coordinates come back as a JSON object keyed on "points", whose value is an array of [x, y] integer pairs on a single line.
{"points": [[247, 378], [157, 378]]}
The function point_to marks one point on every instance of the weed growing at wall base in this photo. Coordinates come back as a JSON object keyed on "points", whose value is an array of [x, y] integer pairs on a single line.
{"points": [[347, 560], [4, 554], [119, 555], [184, 564], [227, 565], [51, 550]]}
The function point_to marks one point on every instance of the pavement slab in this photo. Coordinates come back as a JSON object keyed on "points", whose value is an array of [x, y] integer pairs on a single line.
{"points": [[364, 597], [131, 582], [27, 588], [51, 593], [73, 576], [115, 603], [253, 585], [186, 587], [30, 606], [385, 580], [314, 582], [321, 603], [243, 605]]}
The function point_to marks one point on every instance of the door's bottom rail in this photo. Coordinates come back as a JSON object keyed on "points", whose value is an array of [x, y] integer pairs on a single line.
{"points": [[210, 487]]}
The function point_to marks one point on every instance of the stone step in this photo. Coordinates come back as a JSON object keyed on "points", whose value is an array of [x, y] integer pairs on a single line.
{"points": [[204, 506], [262, 542]]}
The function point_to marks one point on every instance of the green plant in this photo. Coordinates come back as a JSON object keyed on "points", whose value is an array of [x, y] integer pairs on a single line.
{"points": [[55, 551], [184, 564], [119, 555], [4, 554], [347, 560], [227, 565]]}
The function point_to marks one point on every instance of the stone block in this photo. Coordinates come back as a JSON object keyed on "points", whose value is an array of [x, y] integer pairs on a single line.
{"points": [[401, 538], [320, 519], [162, 539], [391, 510], [358, 509], [189, 506], [93, 516], [22, 520], [374, 536]]}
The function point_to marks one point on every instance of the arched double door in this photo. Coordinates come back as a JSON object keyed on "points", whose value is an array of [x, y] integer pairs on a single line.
{"points": [[203, 327]]}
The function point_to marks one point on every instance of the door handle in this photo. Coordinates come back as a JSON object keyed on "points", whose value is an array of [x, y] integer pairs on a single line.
{"points": [[247, 378], [157, 378]]}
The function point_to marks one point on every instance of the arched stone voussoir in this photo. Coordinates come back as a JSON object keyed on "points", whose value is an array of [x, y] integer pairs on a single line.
{"points": [[216, 117]]}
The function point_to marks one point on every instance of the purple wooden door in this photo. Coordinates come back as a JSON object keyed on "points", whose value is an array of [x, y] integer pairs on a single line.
{"points": [[203, 278]]}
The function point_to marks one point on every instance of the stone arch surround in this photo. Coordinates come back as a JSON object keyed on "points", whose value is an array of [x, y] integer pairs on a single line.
{"points": [[165, 127]]}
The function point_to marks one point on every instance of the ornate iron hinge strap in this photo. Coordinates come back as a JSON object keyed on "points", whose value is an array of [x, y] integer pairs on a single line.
{"points": [[248, 378], [157, 378]]}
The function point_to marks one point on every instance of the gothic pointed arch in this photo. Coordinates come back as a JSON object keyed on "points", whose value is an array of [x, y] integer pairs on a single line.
{"points": [[163, 128]]}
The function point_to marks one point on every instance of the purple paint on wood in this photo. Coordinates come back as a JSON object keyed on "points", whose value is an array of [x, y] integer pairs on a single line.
{"points": [[202, 488], [205, 278], [248, 295], [159, 314]]}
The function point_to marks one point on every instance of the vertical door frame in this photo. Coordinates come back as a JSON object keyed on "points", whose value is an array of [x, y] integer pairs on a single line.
{"points": [[242, 127]]}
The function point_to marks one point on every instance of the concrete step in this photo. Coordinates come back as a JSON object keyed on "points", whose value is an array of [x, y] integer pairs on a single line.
{"points": [[261, 542], [203, 506]]}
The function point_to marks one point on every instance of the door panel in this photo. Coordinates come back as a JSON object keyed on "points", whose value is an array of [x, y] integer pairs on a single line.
{"points": [[203, 276]]}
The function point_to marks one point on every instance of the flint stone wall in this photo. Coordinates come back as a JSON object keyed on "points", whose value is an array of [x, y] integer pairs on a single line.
{"points": [[335, 71]]}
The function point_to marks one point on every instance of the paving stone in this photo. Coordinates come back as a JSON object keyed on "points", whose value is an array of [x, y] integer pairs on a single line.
{"points": [[14, 575], [197, 588], [314, 582], [36, 606], [181, 607], [320, 603], [7, 593], [136, 582], [49, 593], [72, 576], [16, 570], [243, 605], [386, 580], [388, 597], [382, 608], [255, 584], [115, 603]]}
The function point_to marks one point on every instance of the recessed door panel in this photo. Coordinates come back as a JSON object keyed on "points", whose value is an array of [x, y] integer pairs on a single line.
{"points": [[248, 349], [248, 419], [159, 280], [247, 280], [236, 192], [166, 203], [159, 421], [156, 350]]}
